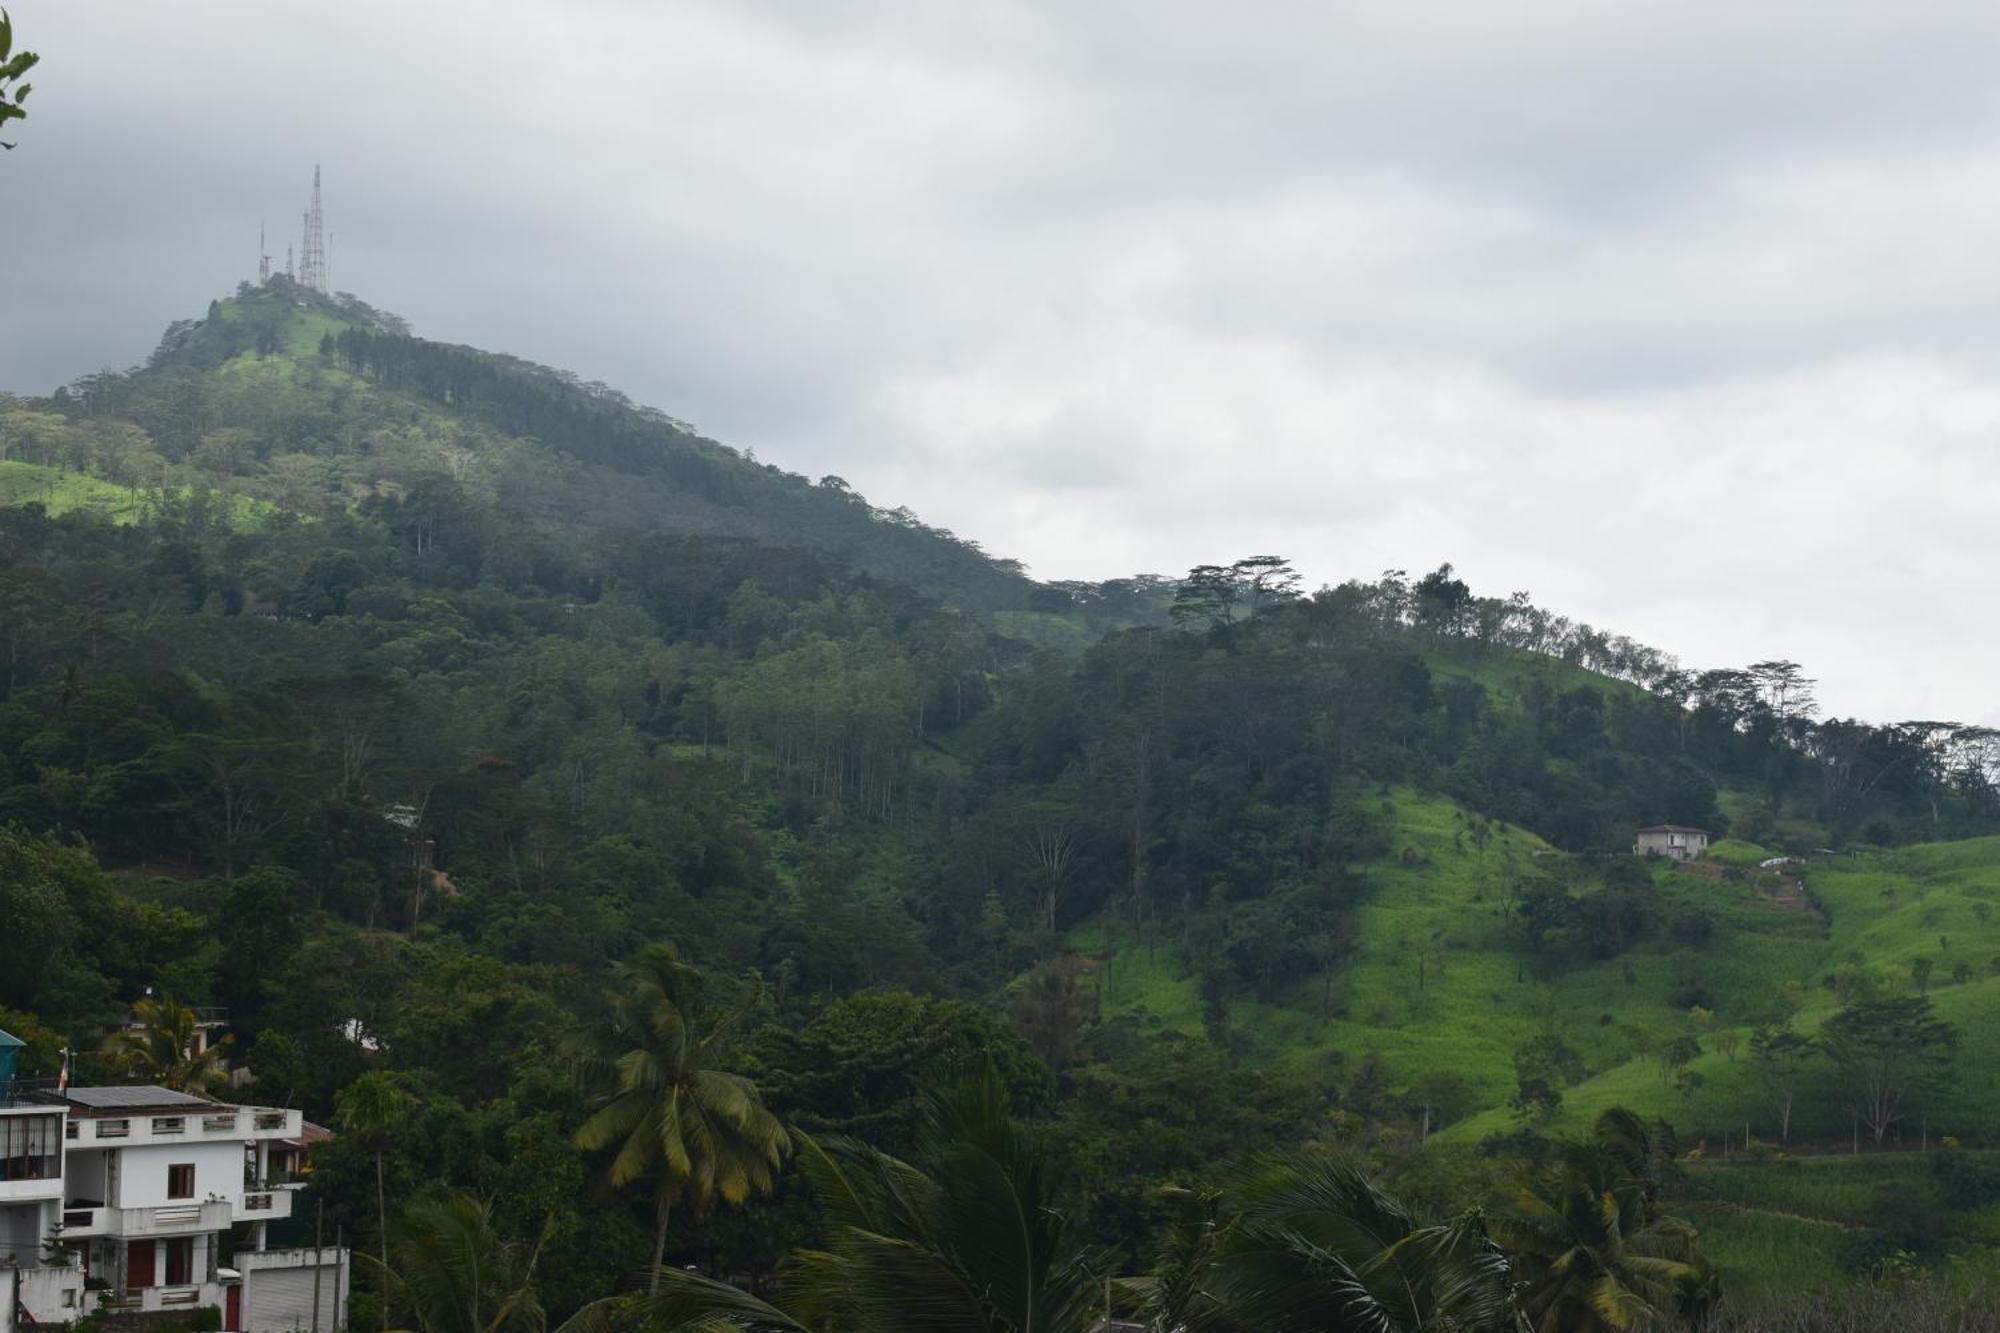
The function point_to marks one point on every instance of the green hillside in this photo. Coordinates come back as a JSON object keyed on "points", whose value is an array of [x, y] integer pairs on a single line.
{"points": [[312, 403], [1433, 982], [480, 682]]}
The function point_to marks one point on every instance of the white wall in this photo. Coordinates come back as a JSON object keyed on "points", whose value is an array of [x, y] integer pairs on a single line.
{"points": [[22, 1229], [142, 1173]]}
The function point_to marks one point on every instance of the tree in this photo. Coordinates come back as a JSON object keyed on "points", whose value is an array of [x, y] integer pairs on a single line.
{"points": [[697, 1132], [1887, 1049], [455, 1274], [165, 1044], [13, 65], [40, 883], [1675, 1055], [1314, 1245], [1442, 601], [372, 1108], [965, 1234], [1590, 1242], [1052, 1007], [1780, 1057]]}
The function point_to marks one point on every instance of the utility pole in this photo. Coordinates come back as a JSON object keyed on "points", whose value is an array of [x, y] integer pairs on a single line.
{"points": [[319, 1233]]}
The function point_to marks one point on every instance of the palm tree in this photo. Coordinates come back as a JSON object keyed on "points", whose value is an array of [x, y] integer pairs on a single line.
{"points": [[164, 1044], [964, 1236], [1314, 1245], [693, 1130], [454, 1273], [371, 1108], [1596, 1251]]}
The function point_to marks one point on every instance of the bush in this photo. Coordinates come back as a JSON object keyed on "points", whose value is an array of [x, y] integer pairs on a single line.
{"points": [[1964, 1181]]}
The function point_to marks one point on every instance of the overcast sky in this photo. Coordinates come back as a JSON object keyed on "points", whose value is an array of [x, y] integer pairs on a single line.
{"points": [[1683, 316]]}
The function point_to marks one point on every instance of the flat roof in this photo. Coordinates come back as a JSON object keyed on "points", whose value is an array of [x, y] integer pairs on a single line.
{"points": [[128, 1099], [1672, 828]]}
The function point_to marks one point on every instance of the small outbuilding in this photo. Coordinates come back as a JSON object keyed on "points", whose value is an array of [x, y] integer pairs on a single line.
{"points": [[1680, 842]]}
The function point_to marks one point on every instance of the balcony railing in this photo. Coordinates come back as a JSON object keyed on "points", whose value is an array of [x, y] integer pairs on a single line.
{"points": [[26, 1091], [224, 1123], [270, 1120], [170, 1124]]}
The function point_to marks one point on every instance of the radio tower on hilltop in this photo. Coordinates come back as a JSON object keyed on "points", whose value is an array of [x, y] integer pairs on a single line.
{"points": [[312, 255]]}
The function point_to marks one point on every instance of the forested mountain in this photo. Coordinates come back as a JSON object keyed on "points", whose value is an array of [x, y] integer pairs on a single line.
{"points": [[392, 694], [320, 403]]}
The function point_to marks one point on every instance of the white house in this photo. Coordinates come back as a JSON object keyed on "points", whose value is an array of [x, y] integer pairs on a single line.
{"points": [[1677, 841], [126, 1198]]}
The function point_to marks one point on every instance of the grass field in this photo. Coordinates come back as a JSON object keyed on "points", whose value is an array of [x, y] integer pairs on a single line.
{"points": [[1434, 983], [64, 492]]}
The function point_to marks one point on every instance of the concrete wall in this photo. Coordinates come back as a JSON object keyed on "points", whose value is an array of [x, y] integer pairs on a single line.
{"points": [[22, 1229], [52, 1295], [142, 1173]]}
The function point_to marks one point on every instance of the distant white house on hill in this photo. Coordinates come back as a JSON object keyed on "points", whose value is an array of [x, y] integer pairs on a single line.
{"points": [[1678, 841]]}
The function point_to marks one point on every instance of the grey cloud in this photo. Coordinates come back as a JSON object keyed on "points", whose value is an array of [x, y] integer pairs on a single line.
{"points": [[1680, 315]]}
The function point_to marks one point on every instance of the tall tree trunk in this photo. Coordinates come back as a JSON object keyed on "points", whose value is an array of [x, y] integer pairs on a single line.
{"points": [[659, 1248], [382, 1233]]}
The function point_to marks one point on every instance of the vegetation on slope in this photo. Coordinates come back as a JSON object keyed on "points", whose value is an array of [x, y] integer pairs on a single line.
{"points": [[509, 681]]}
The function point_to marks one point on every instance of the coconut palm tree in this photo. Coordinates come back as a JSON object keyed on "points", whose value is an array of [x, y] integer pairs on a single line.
{"points": [[371, 1108], [963, 1236], [453, 1273], [1595, 1250], [164, 1044], [690, 1129], [1314, 1246]]}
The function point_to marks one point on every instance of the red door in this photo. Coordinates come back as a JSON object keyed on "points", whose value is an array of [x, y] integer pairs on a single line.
{"points": [[138, 1265], [233, 1306]]}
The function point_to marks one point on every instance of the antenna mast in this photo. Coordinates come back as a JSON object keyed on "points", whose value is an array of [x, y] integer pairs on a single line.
{"points": [[263, 258], [312, 257]]}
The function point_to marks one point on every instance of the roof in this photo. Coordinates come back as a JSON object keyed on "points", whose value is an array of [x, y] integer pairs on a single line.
{"points": [[309, 1135], [9, 1039], [1672, 828], [120, 1099]]}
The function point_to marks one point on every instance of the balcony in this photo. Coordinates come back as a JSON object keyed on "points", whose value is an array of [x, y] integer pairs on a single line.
{"points": [[222, 1122], [147, 1300], [268, 1205], [81, 1221]]}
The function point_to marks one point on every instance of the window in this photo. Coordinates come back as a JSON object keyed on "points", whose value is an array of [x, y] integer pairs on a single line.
{"points": [[180, 1181], [29, 1147], [180, 1258]]}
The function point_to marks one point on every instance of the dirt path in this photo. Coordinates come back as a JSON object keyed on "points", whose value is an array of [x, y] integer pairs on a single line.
{"points": [[1788, 891]]}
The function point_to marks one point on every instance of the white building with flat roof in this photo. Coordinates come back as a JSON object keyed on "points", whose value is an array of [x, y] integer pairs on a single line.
{"points": [[125, 1199]]}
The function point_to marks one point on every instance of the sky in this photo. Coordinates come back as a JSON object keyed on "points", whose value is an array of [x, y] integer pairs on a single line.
{"points": [[1684, 317]]}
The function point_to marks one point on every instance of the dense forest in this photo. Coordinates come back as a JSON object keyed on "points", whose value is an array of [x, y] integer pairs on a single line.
{"points": [[459, 725]]}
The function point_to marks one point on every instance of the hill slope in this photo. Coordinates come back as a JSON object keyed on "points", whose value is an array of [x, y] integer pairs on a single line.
{"points": [[314, 403]]}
